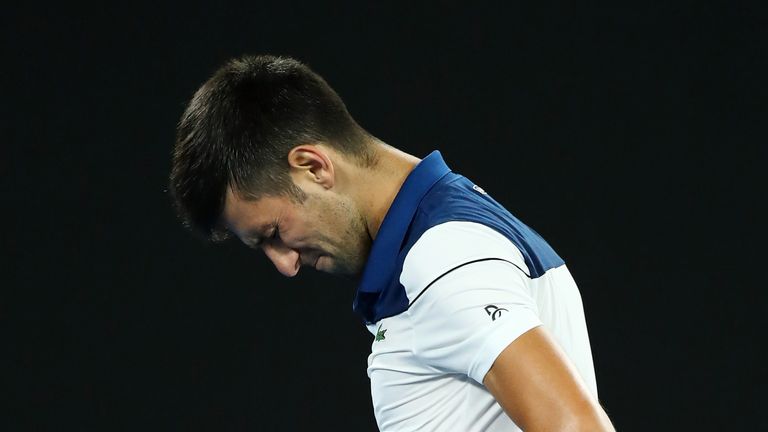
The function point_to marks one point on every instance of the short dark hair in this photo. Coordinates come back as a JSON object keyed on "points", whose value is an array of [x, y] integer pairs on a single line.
{"points": [[240, 126]]}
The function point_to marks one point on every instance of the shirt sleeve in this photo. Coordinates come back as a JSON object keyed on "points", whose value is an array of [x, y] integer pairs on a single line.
{"points": [[470, 297]]}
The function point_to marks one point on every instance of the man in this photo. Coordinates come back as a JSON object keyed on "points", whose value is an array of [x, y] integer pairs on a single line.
{"points": [[477, 324]]}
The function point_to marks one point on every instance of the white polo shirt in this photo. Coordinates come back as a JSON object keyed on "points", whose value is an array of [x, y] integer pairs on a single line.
{"points": [[428, 363], [452, 279]]}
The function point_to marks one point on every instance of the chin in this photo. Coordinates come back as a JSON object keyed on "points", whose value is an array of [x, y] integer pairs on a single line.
{"points": [[340, 268]]}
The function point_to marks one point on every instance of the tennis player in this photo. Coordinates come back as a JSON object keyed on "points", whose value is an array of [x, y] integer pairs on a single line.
{"points": [[477, 324]]}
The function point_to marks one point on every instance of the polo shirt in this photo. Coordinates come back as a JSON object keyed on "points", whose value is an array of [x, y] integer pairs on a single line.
{"points": [[451, 280]]}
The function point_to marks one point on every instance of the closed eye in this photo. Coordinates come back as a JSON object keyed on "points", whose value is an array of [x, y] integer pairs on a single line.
{"points": [[255, 239]]}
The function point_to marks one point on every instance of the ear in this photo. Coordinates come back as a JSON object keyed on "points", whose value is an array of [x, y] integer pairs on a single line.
{"points": [[311, 163]]}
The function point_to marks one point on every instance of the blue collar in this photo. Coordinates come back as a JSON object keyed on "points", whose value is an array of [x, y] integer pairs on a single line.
{"points": [[382, 260]]}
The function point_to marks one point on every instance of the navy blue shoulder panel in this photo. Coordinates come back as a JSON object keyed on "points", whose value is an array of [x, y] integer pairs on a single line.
{"points": [[455, 198]]}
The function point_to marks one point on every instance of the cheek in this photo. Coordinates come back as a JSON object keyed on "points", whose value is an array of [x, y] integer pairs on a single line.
{"points": [[305, 234]]}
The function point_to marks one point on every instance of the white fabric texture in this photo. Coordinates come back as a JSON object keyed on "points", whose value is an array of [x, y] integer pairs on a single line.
{"points": [[428, 363]]}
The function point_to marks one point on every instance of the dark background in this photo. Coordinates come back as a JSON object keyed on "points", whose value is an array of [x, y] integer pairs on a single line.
{"points": [[631, 137]]}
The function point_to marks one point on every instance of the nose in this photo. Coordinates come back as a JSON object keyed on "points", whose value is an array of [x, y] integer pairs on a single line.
{"points": [[286, 260]]}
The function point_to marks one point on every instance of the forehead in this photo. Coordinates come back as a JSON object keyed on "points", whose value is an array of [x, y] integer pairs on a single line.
{"points": [[241, 215]]}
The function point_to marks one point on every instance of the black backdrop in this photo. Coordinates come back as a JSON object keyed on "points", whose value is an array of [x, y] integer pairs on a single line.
{"points": [[630, 137]]}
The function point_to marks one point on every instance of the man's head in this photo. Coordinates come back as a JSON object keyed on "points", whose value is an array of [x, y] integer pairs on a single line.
{"points": [[255, 150]]}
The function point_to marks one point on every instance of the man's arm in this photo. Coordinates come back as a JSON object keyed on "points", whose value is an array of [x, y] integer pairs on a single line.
{"points": [[541, 390]]}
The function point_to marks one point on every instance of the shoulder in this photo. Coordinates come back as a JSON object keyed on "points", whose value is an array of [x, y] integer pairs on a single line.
{"points": [[450, 245], [469, 296]]}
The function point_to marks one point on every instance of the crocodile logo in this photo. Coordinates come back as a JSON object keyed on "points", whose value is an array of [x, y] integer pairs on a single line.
{"points": [[380, 334]]}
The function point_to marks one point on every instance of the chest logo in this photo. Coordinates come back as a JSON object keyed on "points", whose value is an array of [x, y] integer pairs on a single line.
{"points": [[494, 311], [380, 334]]}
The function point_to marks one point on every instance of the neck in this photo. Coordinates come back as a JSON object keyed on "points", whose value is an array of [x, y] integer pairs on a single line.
{"points": [[379, 185]]}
